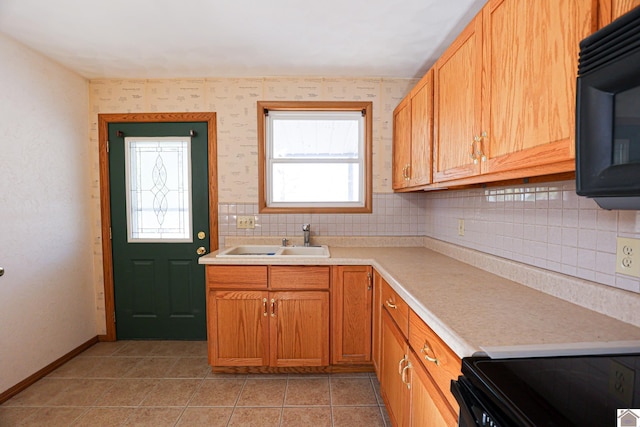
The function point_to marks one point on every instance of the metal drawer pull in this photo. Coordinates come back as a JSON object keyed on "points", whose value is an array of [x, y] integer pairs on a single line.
{"points": [[404, 376], [391, 305], [404, 359], [273, 307], [264, 306], [424, 351]]}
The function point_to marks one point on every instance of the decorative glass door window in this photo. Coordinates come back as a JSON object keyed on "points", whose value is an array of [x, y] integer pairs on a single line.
{"points": [[158, 180]]}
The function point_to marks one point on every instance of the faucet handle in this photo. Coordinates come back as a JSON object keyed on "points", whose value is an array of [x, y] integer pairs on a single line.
{"points": [[306, 227], [285, 241]]}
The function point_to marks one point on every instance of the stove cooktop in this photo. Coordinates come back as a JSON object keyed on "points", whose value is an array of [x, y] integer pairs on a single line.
{"points": [[559, 391]]}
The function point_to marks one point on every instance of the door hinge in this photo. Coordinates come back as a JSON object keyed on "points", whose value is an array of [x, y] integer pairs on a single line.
{"points": [[369, 281], [110, 235], [107, 145], [114, 316]]}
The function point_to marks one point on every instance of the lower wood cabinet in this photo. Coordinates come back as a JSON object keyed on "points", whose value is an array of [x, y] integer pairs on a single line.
{"points": [[425, 398], [276, 328], [352, 292], [394, 360], [238, 328], [414, 369], [279, 329]]}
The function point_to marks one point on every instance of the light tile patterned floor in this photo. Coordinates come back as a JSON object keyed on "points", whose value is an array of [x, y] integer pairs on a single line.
{"points": [[168, 383]]}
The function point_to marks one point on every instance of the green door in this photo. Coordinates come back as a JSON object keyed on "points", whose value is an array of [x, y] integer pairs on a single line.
{"points": [[159, 226]]}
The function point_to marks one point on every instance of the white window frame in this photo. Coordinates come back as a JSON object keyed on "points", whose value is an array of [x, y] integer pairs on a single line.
{"points": [[267, 111]]}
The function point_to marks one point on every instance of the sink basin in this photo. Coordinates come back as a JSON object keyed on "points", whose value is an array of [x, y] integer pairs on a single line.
{"points": [[312, 251], [268, 251], [250, 250]]}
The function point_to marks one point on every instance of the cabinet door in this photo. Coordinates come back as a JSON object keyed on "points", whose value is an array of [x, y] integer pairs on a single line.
{"points": [[394, 359], [401, 144], [238, 328], [299, 330], [620, 7], [528, 89], [376, 340], [456, 105], [427, 405], [351, 314], [421, 132], [609, 10]]}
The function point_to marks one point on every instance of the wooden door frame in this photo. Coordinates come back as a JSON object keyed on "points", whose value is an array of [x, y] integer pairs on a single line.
{"points": [[104, 120]]}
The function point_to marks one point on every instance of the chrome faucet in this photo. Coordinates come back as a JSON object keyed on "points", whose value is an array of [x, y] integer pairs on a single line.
{"points": [[306, 228]]}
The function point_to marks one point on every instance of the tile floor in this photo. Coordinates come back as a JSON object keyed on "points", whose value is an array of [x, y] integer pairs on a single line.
{"points": [[168, 383]]}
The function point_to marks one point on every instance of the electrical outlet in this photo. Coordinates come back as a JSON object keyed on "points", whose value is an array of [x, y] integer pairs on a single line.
{"points": [[245, 222], [628, 256], [461, 227], [621, 383]]}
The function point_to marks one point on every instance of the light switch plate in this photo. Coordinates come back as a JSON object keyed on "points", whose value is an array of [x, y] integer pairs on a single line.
{"points": [[628, 256], [247, 221]]}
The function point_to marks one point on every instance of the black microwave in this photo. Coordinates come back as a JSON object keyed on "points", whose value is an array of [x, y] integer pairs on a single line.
{"points": [[608, 115]]}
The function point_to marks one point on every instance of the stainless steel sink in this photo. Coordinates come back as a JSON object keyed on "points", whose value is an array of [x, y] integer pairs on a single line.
{"points": [[268, 251]]}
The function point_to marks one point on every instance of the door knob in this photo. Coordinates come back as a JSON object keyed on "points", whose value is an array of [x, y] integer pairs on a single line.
{"points": [[201, 250], [1, 271]]}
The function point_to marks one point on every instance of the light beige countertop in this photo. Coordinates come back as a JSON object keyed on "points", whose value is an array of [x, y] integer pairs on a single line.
{"points": [[473, 310]]}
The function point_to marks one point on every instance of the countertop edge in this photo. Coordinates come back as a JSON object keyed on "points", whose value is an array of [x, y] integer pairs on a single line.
{"points": [[391, 264]]}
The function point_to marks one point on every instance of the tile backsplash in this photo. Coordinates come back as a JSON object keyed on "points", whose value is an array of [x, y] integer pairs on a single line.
{"points": [[547, 226], [401, 214]]}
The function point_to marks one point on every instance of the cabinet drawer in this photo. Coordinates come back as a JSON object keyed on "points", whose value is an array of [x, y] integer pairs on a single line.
{"points": [[440, 361], [299, 277], [397, 308], [234, 277]]}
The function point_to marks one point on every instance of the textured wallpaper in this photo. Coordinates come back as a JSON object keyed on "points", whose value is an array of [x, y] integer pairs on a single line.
{"points": [[234, 102]]}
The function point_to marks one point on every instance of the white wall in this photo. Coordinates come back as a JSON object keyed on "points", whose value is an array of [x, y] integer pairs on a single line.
{"points": [[47, 300]]}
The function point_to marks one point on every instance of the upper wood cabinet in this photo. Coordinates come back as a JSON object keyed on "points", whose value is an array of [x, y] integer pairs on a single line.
{"points": [[456, 105], [528, 89], [504, 95], [412, 137], [608, 10], [620, 7]]}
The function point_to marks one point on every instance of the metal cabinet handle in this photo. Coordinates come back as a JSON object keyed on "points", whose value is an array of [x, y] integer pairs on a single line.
{"points": [[264, 306], [390, 304], [426, 349], [273, 307], [473, 155], [403, 376], [404, 359], [482, 137]]}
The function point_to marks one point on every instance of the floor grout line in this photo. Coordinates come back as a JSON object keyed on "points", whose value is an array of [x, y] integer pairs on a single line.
{"points": [[87, 373]]}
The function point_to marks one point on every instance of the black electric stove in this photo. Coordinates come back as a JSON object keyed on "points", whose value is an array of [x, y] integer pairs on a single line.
{"points": [[558, 391]]}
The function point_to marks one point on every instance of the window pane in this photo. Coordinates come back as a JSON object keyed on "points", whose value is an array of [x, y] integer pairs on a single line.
{"points": [[321, 136], [319, 182], [158, 179]]}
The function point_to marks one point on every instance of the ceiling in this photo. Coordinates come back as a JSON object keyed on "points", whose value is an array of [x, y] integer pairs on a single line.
{"points": [[238, 38]]}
